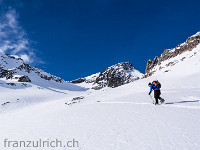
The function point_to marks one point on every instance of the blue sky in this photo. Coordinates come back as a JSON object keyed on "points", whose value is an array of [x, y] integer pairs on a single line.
{"points": [[76, 38]]}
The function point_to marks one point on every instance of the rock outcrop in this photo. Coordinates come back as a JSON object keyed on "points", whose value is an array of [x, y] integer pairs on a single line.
{"points": [[188, 45], [116, 75], [24, 79], [112, 76], [79, 80]]}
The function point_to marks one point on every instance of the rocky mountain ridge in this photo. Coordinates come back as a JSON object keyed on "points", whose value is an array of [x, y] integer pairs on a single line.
{"points": [[113, 76], [15, 69], [188, 45]]}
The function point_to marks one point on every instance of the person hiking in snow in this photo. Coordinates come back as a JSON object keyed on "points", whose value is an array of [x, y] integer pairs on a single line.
{"points": [[155, 85]]}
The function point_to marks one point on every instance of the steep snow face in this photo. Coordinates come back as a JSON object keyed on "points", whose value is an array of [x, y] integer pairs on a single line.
{"points": [[113, 76], [12, 68]]}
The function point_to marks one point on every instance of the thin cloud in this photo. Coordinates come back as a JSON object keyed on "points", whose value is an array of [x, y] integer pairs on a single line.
{"points": [[13, 38]]}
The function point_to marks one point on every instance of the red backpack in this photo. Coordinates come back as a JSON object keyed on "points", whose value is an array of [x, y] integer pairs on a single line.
{"points": [[156, 84]]}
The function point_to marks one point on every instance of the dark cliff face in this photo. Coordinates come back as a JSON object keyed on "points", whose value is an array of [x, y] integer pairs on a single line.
{"points": [[188, 45], [112, 76], [151, 64], [115, 75]]}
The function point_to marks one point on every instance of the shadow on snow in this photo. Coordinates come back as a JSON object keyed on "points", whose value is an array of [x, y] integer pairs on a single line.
{"points": [[183, 102]]}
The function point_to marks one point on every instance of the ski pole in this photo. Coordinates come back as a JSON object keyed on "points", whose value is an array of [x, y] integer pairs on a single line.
{"points": [[151, 96]]}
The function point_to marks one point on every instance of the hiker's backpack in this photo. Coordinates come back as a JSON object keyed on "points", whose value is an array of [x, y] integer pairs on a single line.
{"points": [[156, 84]]}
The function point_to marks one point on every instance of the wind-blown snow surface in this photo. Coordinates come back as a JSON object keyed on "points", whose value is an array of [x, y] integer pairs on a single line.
{"points": [[122, 118]]}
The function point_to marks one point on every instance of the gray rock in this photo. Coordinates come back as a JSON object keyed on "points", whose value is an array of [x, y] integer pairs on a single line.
{"points": [[24, 79], [12, 84], [80, 80], [115, 76]]}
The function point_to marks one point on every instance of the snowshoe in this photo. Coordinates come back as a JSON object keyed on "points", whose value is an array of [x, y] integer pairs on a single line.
{"points": [[162, 101]]}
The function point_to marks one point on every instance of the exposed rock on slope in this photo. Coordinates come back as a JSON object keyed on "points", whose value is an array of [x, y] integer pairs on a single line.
{"points": [[89, 79], [112, 76], [188, 45], [24, 79], [117, 75], [79, 80], [12, 68]]}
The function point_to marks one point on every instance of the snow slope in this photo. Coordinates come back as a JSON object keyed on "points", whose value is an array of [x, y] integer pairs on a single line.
{"points": [[43, 86], [121, 118]]}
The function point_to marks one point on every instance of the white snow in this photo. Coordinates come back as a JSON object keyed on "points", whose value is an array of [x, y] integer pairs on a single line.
{"points": [[122, 118], [197, 34]]}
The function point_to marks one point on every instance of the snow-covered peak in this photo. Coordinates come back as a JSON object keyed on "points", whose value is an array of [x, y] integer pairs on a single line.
{"points": [[117, 75], [10, 66], [15, 73], [9, 62], [112, 76]]}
